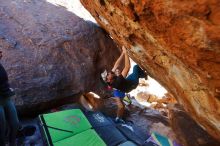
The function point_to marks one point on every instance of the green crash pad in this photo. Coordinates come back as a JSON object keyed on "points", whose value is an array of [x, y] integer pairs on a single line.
{"points": [[60, 126], [86, 138]]}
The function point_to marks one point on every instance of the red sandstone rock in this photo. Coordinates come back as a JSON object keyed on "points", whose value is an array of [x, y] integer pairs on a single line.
{"points": [[177, 42]]}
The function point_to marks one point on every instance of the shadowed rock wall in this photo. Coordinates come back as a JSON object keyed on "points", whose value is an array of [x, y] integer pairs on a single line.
{"points": [[50, 53]]}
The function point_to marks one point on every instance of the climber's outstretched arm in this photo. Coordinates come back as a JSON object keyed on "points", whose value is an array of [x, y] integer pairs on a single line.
{"points": [[127, 67], [118, 62]]}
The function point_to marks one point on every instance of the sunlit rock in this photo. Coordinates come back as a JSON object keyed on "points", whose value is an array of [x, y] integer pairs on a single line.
{"points": [[177, 42]]}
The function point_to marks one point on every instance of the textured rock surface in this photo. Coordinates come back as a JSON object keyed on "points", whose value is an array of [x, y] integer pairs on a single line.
{"points": [[177, 42], [188, 132], [50, 53], [90, 102]]}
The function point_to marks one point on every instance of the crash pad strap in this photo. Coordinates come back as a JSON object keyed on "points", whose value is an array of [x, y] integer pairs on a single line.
{"points": [[57, 128], [46, 130]]}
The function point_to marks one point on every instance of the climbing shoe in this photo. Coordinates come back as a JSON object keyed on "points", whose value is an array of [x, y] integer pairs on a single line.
{"points": [[127, 99], [119, 120]]}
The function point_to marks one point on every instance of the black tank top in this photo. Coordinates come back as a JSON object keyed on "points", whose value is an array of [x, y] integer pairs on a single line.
{"points": [[122, 84]]}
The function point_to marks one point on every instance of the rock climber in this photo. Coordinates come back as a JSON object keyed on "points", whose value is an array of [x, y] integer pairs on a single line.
{"points": [[120, 83]]}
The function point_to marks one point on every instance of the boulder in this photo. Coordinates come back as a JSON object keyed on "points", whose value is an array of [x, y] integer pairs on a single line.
{"points": [[177, 42], [93, 102], [150, 120], [187, 131], [50, 53]]}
